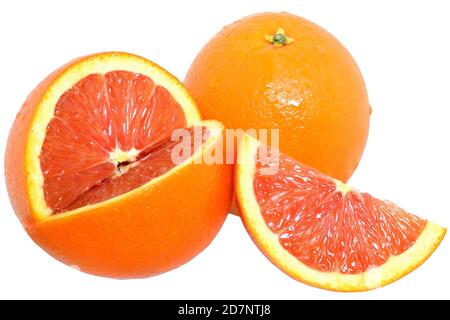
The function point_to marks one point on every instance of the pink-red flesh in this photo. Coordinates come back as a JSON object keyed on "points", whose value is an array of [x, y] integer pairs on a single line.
{"points": [[99, 115], [328, 229]]}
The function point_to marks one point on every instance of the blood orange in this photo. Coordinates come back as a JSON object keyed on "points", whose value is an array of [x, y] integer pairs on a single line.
{"points": [[275, 70], [320, 231], [90, 171]]}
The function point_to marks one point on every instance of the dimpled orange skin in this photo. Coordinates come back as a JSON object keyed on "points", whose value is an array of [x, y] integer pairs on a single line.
{"points": [[310, 89], [146, 233]]}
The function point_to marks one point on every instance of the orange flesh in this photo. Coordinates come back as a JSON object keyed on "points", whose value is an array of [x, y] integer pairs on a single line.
{"points": [[99, 116], [327, 229]]}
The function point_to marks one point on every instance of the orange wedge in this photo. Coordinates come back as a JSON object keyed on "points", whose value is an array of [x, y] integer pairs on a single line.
{"points": [[322, 232]]}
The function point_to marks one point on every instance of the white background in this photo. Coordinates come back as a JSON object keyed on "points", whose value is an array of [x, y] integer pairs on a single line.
{"points": [[403, 50]]}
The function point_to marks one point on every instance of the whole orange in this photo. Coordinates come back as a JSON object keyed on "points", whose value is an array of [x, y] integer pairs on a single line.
{"points": [[278, 70]]}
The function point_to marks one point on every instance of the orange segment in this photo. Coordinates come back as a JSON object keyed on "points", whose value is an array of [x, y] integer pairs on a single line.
{"points": [[321, 231], [328, 229]]}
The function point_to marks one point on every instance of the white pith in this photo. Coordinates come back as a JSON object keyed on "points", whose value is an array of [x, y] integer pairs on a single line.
{"points": [[118, 156]]}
